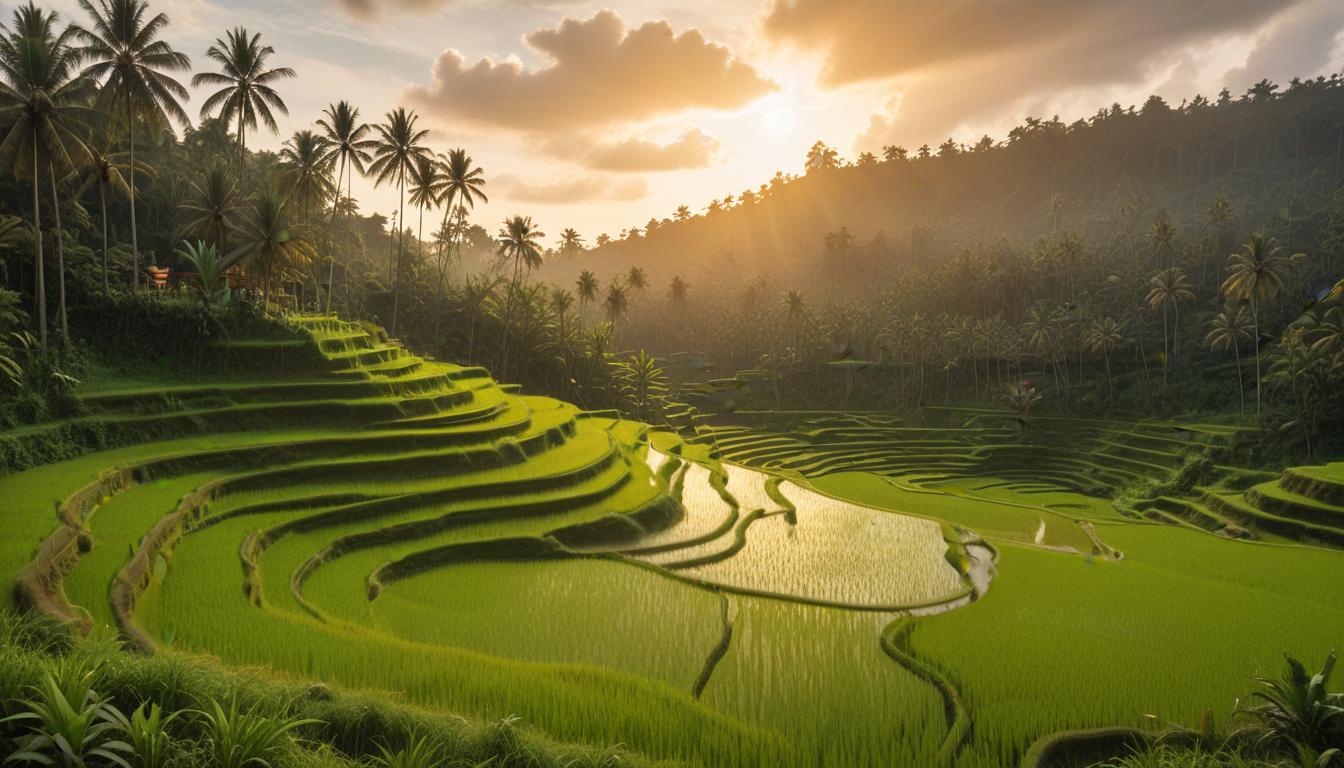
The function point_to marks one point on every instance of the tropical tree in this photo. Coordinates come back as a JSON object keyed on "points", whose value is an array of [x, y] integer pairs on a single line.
{"points": [[519, 243], [211, 208], [571, 242], [636, 280], [246, 93], [347, 145], [1104, 337], [795, 311], [43, 96], [1228, 330], [617, 302], [266, 242], [586, 288], [1169, 289], [677, 291], [1256, 275], [308, 164], [135, 70], [462, 183], [396, 152], [105, 172], [423, 190]]}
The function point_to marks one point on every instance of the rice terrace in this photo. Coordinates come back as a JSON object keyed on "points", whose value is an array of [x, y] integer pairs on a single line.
{"points": [[953, 440]]}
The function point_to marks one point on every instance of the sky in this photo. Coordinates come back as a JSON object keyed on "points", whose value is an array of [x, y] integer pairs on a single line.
{"points": [[599, 116]]}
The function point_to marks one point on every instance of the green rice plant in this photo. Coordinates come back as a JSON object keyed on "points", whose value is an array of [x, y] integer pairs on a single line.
{"points": [[68, 724], [419, 752], [147, 733], [237, 739]]}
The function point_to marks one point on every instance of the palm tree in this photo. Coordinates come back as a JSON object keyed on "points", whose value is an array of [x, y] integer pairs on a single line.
{"points": [[586, 287], [1227, 330], [617, 302], [134, 69], [105, 171], [795, 309], [211, 207], [1105, 336], [1256, 275], [571, 242], [396, 152], [519, 242], [245, 93], [346, 142], [308, 160], [266, 240], [460, 182], [1169, 289], [424, 189], [42, 94], [683, 213], [636, 280], [677, 290]]}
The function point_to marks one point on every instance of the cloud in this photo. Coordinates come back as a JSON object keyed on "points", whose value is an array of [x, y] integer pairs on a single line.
{"points": [[946, 68], [1299, 42], [693, 149], [1090, 39], [575, 189], [596, 72], [373, 9]]}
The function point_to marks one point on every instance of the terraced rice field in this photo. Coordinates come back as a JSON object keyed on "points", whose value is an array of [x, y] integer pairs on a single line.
{"points": [[830, 589]]}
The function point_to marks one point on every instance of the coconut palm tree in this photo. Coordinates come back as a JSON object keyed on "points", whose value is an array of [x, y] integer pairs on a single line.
{"points": [[211, 208], [348, 144], [135, 71], [1105, 336], [1227, 330], [245, 85], [308, 164], [586, 287], [635, 279], [571, 242], [1170, 288], [520, 243], [462, 183], [795, 310], [106, 171], [1256, 275], [266, 242], [42, 99], [396, 153], [677, 291], [424, 189], [617, 301]]}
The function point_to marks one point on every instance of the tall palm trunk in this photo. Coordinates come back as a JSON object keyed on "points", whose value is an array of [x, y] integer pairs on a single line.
{"points": [[508, 317], [1255, 321], [40, 290], [401, 244], [102, 203], [1166, 353], [135, 238], [1241, 387], [60, 258], [326, 234]]}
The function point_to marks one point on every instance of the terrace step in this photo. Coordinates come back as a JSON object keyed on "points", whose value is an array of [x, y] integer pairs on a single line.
{"points": [[1323, 484], [1235, 507], [1272, 498]]}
